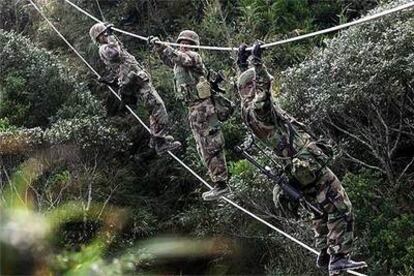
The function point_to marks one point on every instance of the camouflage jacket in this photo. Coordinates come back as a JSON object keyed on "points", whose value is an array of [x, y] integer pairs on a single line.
{"points": [[264, 116], [188, 69], [122, 65]]}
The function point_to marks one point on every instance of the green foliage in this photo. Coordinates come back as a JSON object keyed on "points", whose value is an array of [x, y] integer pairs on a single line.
{"points": [[89, 133], [262, 17], [5, 125], [356, 91], [387, 229], [14, 16], [113, 165], [362, 64], [34, 85]]}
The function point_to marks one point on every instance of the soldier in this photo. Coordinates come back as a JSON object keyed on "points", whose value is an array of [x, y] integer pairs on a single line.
{"points": [[134, 82], [305, 162], [194, 89]]}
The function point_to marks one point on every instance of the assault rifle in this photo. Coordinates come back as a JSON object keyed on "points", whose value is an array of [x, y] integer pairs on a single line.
{"points": [[280, 180]]}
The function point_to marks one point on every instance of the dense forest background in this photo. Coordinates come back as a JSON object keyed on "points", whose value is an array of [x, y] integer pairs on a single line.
{"points": [[82, 193]]}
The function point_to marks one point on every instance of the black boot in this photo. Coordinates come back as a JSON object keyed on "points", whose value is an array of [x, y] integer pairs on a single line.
{"points": [[220, 188], [323, 258], [342, 262], [164, 144]]}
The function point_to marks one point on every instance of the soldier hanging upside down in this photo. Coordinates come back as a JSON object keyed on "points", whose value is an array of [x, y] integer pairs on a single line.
{"points": [[305, 162], [134, 82], [194, 89]]}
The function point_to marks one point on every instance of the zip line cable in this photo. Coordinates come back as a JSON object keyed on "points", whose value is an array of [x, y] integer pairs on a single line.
{"points": [[100, 10], [173, 155], [267, 45]]}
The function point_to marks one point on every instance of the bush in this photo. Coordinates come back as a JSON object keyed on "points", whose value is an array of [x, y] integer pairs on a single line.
{"points": [[357, 91], [34, 84], [386, 227]]}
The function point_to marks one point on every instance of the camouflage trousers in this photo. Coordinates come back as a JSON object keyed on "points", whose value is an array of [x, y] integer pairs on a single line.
{"points": [[334, 229], [209, 138], [153, 103]]}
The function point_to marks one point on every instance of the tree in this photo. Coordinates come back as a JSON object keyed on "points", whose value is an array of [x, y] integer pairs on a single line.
{"points": [[359, 91], [34, 84]]}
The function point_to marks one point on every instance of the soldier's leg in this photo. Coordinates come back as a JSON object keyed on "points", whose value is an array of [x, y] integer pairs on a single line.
{"points": [[335, 202], [213, 152], [156, 108], [159, 122], [320, 228], [210, 145]]}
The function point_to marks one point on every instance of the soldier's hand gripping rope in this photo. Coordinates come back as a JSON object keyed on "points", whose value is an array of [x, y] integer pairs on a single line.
{"points": [[153, 41], [242, 56]]}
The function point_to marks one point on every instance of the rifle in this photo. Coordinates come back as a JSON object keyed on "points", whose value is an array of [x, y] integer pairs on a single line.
{"points": [[280, 180]]}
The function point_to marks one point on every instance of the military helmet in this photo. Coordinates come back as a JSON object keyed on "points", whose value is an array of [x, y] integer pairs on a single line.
{"points": [[246, 77], [97, 30], [190, 36]]}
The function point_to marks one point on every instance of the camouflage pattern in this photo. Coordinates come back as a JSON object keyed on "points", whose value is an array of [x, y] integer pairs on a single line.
{"points": [[189, 73], [190, 36], [209, 138], [335, 228], [134, 82], [302, 158], [188, 69]]}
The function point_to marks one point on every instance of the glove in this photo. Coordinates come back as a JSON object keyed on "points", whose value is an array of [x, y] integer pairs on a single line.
{"points": [[257, 51], [287, 206], [109, 30], [152, 42], [242, 56]]}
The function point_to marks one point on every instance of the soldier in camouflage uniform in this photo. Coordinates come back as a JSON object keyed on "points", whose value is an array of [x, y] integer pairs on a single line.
{"points": [[305, 162], [194, 89], [134, 82]]}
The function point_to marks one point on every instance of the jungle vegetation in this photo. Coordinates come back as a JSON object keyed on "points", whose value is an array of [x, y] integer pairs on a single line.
{"points": [[81, 192]]}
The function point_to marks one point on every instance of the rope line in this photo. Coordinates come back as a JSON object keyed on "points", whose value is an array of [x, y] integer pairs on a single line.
{"points": [[100, 10], [267, 45], [173, 155]]}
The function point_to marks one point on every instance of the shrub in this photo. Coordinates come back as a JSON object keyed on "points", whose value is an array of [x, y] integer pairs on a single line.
{"points": [[34, 84], [357, 91]]}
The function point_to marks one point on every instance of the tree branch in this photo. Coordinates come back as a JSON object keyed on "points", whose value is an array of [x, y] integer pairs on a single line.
{"points": [[356, 160], [405, 169]]}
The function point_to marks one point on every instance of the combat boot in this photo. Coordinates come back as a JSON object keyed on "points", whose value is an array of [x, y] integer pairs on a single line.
{"points": [[340, 262], [323, 258], [220, 188], [164, 144]]}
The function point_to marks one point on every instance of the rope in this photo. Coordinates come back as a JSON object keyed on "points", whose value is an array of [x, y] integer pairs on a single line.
{"points": [[343, 26], [100, 10], [173, 155], [268, 45]]}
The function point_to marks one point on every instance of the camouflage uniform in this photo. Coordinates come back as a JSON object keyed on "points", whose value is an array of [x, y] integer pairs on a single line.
{"points": [[194, 90], [134, 82], [302, 157]]}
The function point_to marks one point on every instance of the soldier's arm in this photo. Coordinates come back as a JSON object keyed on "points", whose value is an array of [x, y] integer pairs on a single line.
{"points": [[110, 52], [163, 52], [263, 86], [177, 57], [263, 77]]}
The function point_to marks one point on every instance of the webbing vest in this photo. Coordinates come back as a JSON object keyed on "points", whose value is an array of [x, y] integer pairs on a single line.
{"points": [[186, 82]]}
